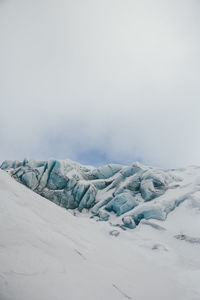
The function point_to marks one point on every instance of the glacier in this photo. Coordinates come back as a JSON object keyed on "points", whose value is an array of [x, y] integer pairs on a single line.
{"points": [[48, 253], [122, 195]]}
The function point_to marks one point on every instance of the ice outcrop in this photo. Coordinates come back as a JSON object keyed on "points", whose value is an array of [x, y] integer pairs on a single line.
{"points": [[122, 203], [126, 193]]}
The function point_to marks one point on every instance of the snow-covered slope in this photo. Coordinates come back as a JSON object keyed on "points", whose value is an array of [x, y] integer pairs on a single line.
{"points": [[123, 195], [46, 253]]}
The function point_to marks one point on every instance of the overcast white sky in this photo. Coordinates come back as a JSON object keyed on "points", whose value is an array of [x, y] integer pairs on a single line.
{"points": [[100, 81]]}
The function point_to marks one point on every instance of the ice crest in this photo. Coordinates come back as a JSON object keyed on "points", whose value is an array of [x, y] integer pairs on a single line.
{"points": [[126, 193]]}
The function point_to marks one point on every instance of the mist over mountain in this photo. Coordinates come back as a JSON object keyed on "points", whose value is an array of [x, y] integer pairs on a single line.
{"points": [[113, 86], [101, 82]]}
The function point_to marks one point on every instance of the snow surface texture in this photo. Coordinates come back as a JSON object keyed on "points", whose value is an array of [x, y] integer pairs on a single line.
{"points": [[123, 195], [47, 253]]}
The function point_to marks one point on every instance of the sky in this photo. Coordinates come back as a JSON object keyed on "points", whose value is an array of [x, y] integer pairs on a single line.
{"points": [[110, 81]]}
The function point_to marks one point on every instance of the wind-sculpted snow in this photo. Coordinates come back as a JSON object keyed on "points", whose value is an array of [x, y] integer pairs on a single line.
{"points": [[121, 194]]}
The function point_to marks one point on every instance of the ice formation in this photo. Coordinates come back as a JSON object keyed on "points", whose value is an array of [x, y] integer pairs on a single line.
{"points": [[121, 194]]}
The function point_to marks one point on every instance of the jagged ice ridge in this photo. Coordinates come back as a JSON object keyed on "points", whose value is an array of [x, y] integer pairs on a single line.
{"points": [[121, 194]]}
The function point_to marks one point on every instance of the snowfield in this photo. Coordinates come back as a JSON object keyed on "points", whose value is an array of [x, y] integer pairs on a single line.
{"points": [[47, 253]]}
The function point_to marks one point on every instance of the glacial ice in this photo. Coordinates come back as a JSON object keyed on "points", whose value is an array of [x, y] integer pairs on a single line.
{"points": [[122, 203], [106, 171], [103, 216], [129, 222], [128, 193]]}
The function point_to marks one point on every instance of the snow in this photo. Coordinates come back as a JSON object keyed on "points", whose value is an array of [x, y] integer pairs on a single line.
{"points": [[112, 192], [47, 253]]}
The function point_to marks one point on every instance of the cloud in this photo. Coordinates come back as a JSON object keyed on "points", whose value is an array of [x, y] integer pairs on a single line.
{"points": [[115, 78]]}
